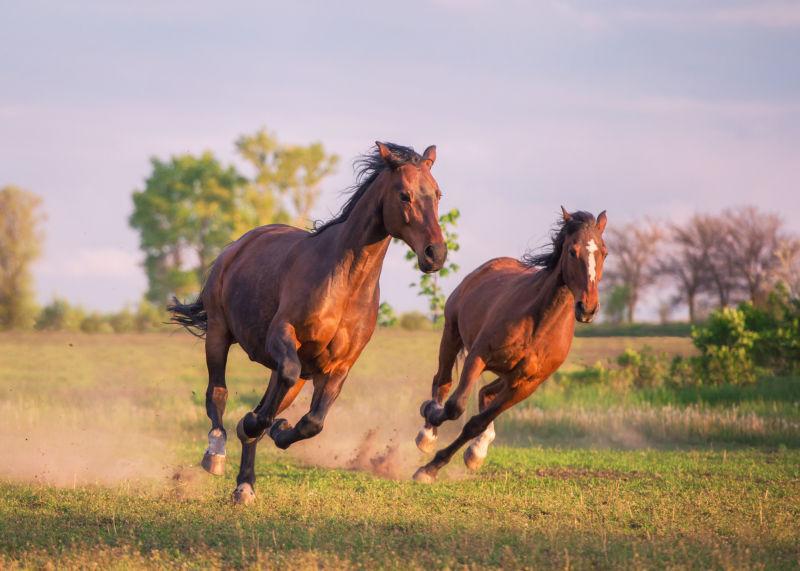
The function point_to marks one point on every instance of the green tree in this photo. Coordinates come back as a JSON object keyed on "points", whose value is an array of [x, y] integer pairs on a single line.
{"points": [[428, 284], [386, 315], [616, 303], [20, 244], [285, 186], [190, 208], [59, 315]]}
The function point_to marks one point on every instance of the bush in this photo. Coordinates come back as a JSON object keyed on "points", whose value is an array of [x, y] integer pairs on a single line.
{"points": [[59, 315], [726, 347], [149, 318], [122, 322], [96, 323], [415, 321], [644, 369]]}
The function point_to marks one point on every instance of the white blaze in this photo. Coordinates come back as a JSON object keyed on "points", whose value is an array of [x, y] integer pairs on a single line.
{"points": [[591, 248]]}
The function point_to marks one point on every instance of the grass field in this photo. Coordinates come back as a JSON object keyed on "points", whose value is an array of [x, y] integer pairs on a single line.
{"points": [[102, 435]]}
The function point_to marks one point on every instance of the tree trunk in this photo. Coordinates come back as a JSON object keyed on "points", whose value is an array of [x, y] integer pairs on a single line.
{"points": [[690, 301]]}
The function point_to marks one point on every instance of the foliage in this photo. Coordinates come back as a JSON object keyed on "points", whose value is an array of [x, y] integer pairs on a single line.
{"points": [[285, 186], [726, 346], [386, 315], [20, 245], [428, 284], [414, 321], [616, 303], [59, 315], [643, 369], [188, 211], [96, 323]]}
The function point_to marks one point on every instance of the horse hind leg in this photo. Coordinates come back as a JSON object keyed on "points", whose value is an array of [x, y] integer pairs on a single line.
{"points": [[218, 343], [476, 452], [253, 425]]}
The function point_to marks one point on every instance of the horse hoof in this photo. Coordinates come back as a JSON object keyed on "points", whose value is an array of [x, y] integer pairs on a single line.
{"points": [[244, 495], [422, 476], [472, 459], [213, 463], [426, 439]]}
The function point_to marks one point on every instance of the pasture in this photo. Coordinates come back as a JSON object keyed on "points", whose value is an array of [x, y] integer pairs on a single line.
{"points": [[102, 435]]}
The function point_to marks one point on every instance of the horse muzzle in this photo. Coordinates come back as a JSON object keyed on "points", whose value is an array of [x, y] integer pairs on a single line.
{"points": [[432, 257], [583, 315]]}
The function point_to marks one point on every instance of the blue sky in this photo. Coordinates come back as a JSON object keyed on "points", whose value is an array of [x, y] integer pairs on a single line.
{"points": [[646, 109]]}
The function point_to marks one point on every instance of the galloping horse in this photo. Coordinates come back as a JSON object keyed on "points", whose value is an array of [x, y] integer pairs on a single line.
{"points": [[516, 319], [304, 304]]}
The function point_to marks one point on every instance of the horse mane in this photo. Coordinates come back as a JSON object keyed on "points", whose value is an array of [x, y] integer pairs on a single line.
{"points": [[367, 168], [548, 256]]}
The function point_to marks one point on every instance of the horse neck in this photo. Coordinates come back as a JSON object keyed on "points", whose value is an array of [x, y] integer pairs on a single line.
{"points": [[362, 240], [554, 302]]}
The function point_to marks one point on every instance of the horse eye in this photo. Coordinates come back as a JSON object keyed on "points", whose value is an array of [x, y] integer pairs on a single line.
{"points": [[405, 197], [573, 253]]}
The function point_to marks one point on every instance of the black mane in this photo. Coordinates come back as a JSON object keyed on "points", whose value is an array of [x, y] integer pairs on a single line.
{"points": [[367, 168], [549, 256]]}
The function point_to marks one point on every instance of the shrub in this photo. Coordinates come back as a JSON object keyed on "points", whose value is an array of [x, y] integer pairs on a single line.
{"points": [[725, 345], [644, 369], [415, 321], [59, 315], [149, 318], [122, 321], [96, 323]]}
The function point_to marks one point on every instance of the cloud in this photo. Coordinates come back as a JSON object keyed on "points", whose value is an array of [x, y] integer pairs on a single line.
{"points": [[112, 263]]}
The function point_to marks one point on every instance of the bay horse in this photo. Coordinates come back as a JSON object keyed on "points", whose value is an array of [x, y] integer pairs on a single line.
{"points": [[304, 304], [516, 319]]}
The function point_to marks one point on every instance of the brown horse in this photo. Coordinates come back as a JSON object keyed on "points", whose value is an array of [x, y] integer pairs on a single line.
{"points": [[516, 319], [304, 304]]}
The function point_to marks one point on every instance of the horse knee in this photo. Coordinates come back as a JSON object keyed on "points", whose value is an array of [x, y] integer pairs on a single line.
{"points": [[289, 372]]}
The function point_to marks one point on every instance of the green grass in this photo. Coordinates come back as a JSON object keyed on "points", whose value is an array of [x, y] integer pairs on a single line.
{"points": [[101, 432]]}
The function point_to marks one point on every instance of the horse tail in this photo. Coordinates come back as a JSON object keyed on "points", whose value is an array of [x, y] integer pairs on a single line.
{"points": [[192, 316]]}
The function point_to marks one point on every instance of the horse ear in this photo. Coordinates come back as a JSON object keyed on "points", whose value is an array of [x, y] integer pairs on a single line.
{"points": [[567, 216], [429, 156], [601, 221], [386, 154]]}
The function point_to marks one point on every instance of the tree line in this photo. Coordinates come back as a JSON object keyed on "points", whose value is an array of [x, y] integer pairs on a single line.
{"points": [[711, 261], [191, 206]]}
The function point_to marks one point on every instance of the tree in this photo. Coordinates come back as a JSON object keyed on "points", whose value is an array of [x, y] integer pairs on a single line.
{"points": [[190, 208], [687, 263], [287, 177], [753, 239], [633, 259], [616, 303], [787, 271], [20, 244], [386, 315], [429, 283]]}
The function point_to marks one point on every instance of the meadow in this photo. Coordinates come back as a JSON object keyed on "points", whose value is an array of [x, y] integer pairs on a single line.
{"points": [[102, 435]]}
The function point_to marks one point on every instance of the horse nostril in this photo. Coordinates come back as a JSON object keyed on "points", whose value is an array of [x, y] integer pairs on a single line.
{"points": [[429, 253]]}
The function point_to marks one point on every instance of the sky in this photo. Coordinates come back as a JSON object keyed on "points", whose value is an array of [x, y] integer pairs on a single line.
{"points": [[646, 109]]}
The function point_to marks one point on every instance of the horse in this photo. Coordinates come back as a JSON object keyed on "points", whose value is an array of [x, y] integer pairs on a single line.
{"points": [[515, 318], [305, 303]]}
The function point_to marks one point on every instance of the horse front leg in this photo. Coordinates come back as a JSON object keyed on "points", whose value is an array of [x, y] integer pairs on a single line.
{"points": [[476, 452], [478, 424], [326, 390], [282, 346], [218, 342], [449, 348], [435, 414]]}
